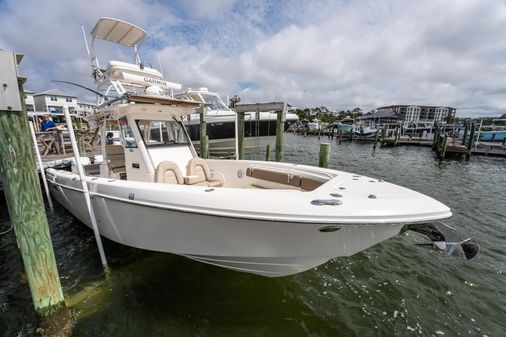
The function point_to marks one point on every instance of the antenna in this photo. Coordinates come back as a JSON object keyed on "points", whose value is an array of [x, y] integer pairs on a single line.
{"points": [[160, 64], [86, 41]]}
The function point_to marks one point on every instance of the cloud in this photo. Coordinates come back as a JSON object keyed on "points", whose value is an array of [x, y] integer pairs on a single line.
{"points": [[341, 54]]}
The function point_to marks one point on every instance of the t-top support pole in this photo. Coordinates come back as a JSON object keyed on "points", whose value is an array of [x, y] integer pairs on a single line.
{"points": [[84, 184]]}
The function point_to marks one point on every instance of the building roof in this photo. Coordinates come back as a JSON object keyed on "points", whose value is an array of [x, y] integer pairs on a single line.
{"points": [[421, 106], [53, 92], [85, 103], [26, 91], [382, 114]]}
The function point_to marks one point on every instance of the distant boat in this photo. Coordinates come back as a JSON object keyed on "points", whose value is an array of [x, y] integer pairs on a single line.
{"points": [[364, 131], [491, 136], [259, 129]]}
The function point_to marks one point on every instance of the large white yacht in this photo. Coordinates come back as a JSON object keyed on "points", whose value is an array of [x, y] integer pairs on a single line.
{"points": [[273, 219], [259, 127]]}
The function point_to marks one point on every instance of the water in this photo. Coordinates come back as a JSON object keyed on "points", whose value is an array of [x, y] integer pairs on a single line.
{"points": [[392, 289]]}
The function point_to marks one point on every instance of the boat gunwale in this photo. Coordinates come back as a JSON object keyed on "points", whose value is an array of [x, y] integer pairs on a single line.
{"points": [[437, 216]]}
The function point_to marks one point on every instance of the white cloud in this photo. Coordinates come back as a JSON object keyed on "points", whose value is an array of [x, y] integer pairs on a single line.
{"points": [[339, 54]]}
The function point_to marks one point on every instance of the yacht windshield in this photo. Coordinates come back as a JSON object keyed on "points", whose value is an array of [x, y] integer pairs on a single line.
{"points": [[214, 102], [161, 132]]}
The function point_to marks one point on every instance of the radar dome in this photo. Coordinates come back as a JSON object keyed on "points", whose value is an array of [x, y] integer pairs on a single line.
{"points": [[154, 90]]}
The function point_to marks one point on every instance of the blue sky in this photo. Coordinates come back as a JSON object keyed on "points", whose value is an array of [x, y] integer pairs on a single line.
{"points": [[341, 54]]}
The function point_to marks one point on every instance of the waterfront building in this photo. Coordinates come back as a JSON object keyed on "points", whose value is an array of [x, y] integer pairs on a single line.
{"points": [[52, 101], [30, 105], [85, 108], [381, 117], [422, 114]]}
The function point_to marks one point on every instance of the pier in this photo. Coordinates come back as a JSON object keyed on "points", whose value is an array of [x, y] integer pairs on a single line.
{"points": [[446, 140]]}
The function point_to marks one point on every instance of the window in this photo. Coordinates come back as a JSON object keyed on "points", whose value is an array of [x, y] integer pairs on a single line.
{"points": [[127, 134], [54, 98], [155, 133], [68, 99]]}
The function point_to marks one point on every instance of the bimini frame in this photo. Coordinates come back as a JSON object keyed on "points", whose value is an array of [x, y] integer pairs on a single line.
{"points": [[117, 31]]}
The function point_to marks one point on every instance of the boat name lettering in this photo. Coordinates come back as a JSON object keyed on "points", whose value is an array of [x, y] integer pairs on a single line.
{"points": [[154, 81]]}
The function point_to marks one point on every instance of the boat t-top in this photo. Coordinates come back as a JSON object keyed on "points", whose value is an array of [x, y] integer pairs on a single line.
{"points": [[153, 192]]}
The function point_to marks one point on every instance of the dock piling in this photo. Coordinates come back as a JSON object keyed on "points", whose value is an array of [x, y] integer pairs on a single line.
{"points": [[466, 129], [324, 155], [268, 152], [376, 137], [280, 132], [24, 198], [471, 140], [240, 134], [204, 144]]}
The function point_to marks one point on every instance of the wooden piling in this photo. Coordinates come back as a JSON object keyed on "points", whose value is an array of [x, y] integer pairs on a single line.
{"points": [[268, 152], [204, 147], [435, 137], [204, 140], [464, 137], [396, 134], [471, 140], [324, 155], [376, 137], [280, 132], [24, 198], [442, 154], [240, 133], [384, 134]]}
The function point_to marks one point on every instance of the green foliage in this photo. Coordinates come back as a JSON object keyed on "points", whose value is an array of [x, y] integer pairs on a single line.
{"points": [[327, 116]]}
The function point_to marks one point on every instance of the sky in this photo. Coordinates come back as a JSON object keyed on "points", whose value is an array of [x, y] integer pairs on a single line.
{"points": [[338, 54]]}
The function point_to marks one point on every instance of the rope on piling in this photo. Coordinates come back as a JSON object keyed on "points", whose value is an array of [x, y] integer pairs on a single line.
{"points": [[7, 231]]}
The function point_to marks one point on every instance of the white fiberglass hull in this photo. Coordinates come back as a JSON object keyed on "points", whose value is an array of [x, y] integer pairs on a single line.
{"points": [[266, 240]]}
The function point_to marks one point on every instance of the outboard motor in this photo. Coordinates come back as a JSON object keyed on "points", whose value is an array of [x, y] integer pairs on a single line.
{"points": [[445, 240]]}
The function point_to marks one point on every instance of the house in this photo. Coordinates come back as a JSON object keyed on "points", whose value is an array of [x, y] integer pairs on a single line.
{"points": [[52, 101], [30, 105], [85, 108]]}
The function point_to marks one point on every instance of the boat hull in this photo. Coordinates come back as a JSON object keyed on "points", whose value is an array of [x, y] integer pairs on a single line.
{"points": [[268, 248]]}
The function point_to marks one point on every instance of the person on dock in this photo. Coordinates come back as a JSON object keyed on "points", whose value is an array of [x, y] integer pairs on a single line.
{"points": [[47, 124]]}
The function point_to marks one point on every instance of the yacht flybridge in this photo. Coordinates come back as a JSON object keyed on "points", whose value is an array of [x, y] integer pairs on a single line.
{"points": [[274, 219]]}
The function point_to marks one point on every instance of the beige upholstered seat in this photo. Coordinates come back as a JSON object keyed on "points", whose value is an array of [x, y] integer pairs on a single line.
{"points": [[167, 172], [198, 173]]}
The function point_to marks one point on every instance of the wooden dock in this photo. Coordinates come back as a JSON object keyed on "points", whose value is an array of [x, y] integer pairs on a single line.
{"points": [[405, 140], [490, 149]]}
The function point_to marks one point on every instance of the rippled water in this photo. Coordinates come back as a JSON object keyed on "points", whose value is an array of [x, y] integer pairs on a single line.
{"points": [[392, 289]]}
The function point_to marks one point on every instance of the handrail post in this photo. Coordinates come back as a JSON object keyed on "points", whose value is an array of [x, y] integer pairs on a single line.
{"points": [[84, 185]]}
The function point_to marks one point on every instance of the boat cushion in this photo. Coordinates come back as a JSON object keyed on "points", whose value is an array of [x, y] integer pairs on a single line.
{"points": [[115, 155], [167, 172], [198, 172], [309, 184], [286, 178], [269, 175]]}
